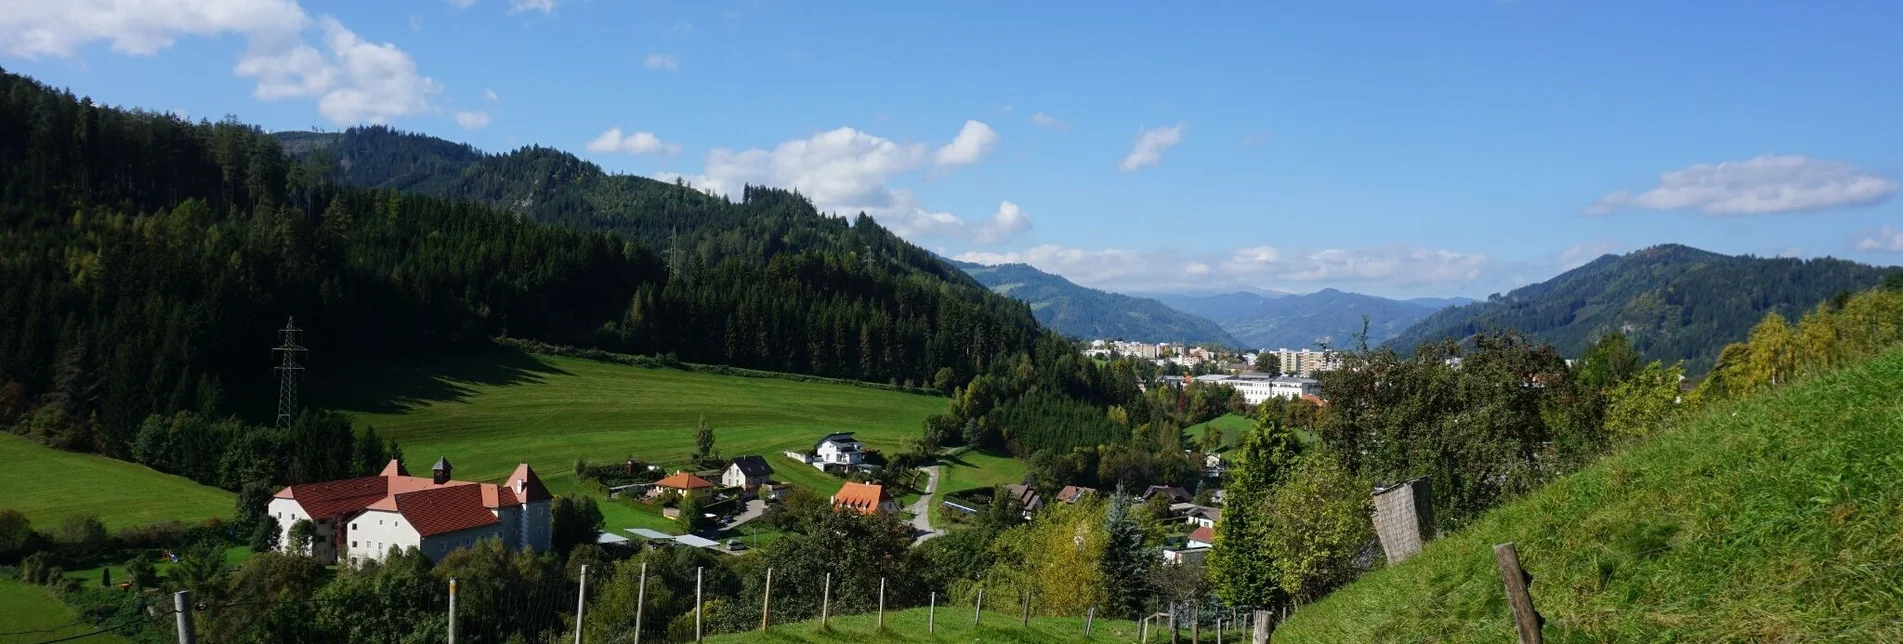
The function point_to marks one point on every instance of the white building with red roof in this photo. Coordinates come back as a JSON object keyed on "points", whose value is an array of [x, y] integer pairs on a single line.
{"points": [[362, 518]]}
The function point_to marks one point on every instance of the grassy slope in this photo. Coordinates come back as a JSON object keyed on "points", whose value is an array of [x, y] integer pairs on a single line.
{"points": [[48, 485], [31, 608], [954, 625], [489, 410], [1232, 426], [975, 469], [1771, 519]]}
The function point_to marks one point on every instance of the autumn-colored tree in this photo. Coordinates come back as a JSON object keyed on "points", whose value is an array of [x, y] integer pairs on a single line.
{"points": [[1638, 405], [1315, 526]]}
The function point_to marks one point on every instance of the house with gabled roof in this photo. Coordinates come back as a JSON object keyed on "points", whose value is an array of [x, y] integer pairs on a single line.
{"points": [[360, 519], [747, 473], [864, 498], [684, 484], [838, 448]]}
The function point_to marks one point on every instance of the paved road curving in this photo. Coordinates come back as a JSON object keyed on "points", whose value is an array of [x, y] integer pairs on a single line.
{"points": [[922, 509]]}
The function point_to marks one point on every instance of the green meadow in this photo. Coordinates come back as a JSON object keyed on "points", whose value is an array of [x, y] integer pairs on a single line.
{"points": [[48, 485], [953, 624], [488, 410], [31, 614]]}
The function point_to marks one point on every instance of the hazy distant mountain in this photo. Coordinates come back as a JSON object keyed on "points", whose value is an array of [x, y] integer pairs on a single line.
{"points": [[1301, 321], [1675, 302], [1440, 302], [1088, 313]]}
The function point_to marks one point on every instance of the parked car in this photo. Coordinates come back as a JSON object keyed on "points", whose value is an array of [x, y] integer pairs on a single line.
{"points": [[736, 544]]}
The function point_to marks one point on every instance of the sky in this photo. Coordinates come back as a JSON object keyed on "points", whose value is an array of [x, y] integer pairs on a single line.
{"points": [[1455, 147]]}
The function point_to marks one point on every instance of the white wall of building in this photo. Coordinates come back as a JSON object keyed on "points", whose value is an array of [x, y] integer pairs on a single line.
{"points": [[373, 532]]}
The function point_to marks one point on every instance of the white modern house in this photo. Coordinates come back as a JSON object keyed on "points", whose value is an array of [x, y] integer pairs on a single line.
{"points": [[360, 519], [838, 449]]}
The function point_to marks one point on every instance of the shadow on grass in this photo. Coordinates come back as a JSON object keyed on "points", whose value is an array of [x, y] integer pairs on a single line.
{"points": [[404, 383]]}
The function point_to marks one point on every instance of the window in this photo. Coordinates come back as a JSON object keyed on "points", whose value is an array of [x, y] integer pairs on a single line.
{"points": [[353, 544]]}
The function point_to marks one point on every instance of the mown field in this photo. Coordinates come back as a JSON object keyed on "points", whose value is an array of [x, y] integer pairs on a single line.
{"points": [[954, 625], [491, 409], [31, 614], [49, 485], [1772, 519], [1232, 426]]}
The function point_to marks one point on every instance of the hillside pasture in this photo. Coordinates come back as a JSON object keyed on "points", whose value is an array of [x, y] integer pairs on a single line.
{"points": [[49, 485]]}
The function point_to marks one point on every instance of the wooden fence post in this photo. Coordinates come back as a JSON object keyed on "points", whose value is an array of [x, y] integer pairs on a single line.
{"points": [[1027, 609], [881, 603], [581, 602], [182, 603], [931, 614], [698, 602], [977, 613], [452, 610], [766, 598], [640, 601], [1524, 617], [825, 600], [1090, 617], [1260, 632]]}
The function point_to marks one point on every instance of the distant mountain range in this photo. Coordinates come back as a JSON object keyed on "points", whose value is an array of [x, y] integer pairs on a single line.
{"points": [[1274, 320], [1675, 302], [1087, 313]]}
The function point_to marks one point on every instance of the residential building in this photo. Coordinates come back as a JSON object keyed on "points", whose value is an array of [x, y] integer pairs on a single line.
{"points": [[1203, 516], [1073, 494], [747, 473], [360, 519], [1306, 362], [1026, 498], [838, 449], [1185, 555], [683, 483], [864, 498], [1175, 494], [1203, 537], [1294, 387], [1256, 388]]}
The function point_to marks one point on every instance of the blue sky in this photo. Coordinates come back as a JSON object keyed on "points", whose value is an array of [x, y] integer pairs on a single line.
{"points": [[1459, 147]]}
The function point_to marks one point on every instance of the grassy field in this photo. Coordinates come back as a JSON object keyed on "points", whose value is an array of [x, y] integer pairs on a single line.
{"points": [[953, 625], [49, 485], [32, 608], [1773, 519], [488, 410], [975, 469], [1232, 426]]}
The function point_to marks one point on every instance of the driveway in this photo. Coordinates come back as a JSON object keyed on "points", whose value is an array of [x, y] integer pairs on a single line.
{"points": [[922, 509], [755, 508]]}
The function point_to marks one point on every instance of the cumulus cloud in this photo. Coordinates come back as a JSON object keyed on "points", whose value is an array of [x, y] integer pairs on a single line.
{"points": [[1254, 266], [1887, 240], [635, 143], [519, 6], [352, 80], [1043, 120], [490, 95], [1149, 147], [663, 62], [973, 142], [473, 120], [1763, 185], [847, 171]]}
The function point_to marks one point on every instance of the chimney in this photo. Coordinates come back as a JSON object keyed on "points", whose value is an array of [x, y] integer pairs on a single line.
{"points": [[442, 470]]}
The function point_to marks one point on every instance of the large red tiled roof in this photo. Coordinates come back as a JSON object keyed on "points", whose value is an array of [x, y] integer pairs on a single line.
{"points": [[383, 492], [681, 481], [1204, 534], [445, 509], [864, 497], [527, 486]]}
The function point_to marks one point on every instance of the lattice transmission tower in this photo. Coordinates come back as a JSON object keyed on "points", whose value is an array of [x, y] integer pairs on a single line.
{"points": [[289, 371]]}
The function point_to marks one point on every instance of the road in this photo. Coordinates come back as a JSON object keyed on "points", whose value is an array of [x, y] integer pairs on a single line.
{"points": [[755, 508], [922, 509]]}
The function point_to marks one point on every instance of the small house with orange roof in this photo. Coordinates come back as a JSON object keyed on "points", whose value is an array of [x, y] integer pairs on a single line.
{"points": [[864, 498], [684, 484], [360, 519]]}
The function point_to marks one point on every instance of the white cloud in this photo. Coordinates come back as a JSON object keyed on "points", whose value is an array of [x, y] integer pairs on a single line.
{"points": [[519, 6], [1256, 266], [461, 4], [35, 28], [473, 120], [1043, 120], [847, 171], [1149, 147], [660, 61], [354, 80], [1886, 239], [490, 95], [636, 143], [1766, 184], [973, 142]]}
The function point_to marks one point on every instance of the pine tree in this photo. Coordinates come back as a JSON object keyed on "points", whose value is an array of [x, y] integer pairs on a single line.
{"points": [[1127, 560]]}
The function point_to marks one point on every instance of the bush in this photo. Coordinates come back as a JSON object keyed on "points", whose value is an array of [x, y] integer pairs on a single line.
{"points": [[166, 534], [34, 568], [16, 536], [83, 534]]}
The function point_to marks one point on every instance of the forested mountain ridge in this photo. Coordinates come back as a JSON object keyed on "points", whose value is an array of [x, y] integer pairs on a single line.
{"points": [[1674, 302], [1301, 321], [146, 261], [554, 187], [1087, 313]]}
